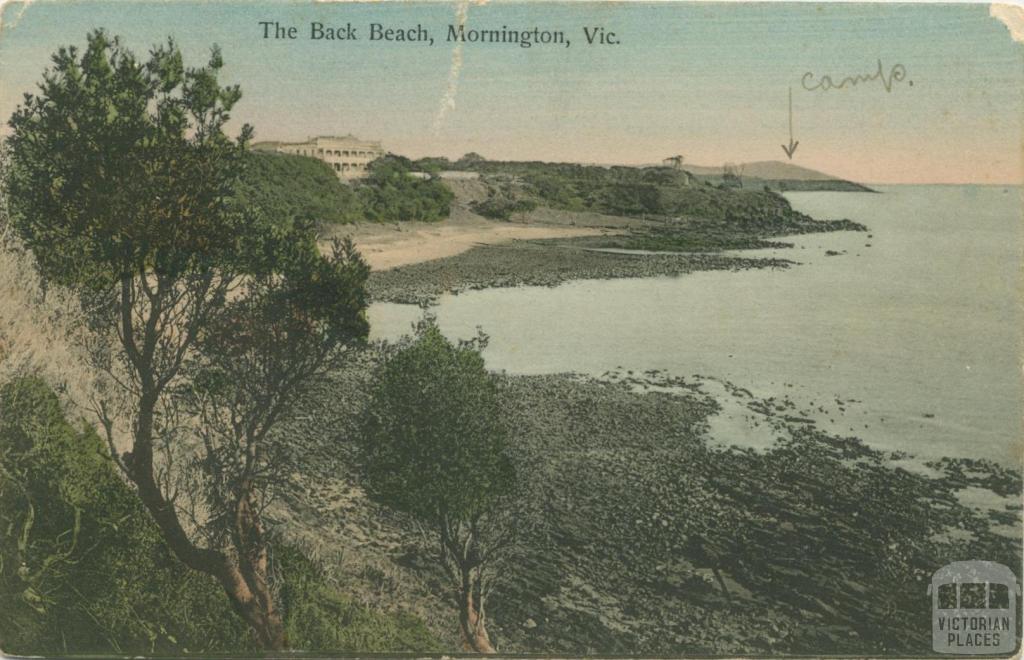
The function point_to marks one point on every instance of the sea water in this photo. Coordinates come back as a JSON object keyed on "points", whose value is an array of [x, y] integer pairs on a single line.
{"points": [[909, 337]]}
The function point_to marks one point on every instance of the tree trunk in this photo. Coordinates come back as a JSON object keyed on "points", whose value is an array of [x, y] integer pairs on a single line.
{"points": [[270, 632], [251, 547], [471, 624], [267, 625], [242, 576], [243, 579]]}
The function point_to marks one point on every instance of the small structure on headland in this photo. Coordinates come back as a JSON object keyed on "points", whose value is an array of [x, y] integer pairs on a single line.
{"points": [[348, 156], [676, 163]]}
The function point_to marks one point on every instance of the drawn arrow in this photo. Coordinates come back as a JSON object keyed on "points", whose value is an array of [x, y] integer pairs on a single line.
{"points": [[791, 149]]}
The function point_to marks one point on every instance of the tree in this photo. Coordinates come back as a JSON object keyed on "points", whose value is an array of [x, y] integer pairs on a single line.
{"points": [[257, 355], [83, 568], [732, 175], [390, 193], [470, 159], [433, 444], [121, 183]]}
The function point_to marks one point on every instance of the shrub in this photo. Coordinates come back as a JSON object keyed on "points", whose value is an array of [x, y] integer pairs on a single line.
{"points": [[499, 208], [434, 444], [390, 194], [288, 187]]}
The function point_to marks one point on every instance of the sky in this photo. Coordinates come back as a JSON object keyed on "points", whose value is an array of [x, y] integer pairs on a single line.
{"points": [[708, 81]]}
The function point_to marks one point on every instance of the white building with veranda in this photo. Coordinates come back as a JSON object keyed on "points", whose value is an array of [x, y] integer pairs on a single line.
{"points": [[348, 156]]}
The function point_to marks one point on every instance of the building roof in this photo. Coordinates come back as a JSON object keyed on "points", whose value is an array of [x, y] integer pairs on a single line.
{"points": [[348, 139]]}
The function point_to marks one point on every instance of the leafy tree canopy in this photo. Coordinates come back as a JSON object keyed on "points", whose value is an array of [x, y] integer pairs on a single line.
{"points": [[434, 443], [124, 185], [118, 162]]}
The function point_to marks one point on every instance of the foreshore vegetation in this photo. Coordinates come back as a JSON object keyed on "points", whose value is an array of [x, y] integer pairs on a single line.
{"points": [[201, 453]]}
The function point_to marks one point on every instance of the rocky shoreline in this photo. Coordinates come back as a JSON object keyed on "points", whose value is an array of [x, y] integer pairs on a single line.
{"points": [[647, 530], [625, 248], [647, 536], [687, 229], [539, 263]]}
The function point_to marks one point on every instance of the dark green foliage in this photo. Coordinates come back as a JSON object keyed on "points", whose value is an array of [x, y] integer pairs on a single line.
{"points": [[434, 444], [82, 567], [706, 236], [678, 215], [433, 440], [118, 162], [469, 161], [813, 185], [432, 164], [630, 199], [288, 187], [502, 208], [258, 355], [297, 291], [635, 192], [123, 184], [748, 207], [390, 194]]}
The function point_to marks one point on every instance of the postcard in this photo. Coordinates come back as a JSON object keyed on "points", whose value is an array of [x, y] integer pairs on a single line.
{"points": [[408, 329]]}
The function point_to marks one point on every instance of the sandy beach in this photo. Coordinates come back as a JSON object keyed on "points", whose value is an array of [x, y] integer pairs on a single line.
{"points": [[389, 246]]}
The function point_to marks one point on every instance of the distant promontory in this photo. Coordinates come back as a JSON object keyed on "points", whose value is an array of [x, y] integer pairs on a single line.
{"points": [[776, 175]]}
